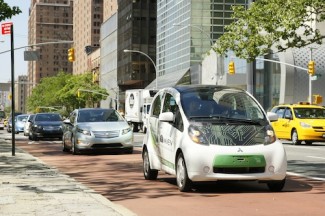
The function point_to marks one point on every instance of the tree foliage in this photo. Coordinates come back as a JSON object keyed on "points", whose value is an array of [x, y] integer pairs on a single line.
{"points": [[276, 24], [61, 91], [6, 12]]}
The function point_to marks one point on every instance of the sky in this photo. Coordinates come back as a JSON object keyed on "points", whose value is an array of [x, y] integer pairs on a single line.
{"points": [[20, 23]]}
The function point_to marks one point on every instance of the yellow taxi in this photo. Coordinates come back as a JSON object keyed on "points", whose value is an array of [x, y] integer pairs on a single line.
{"points": [[300, 122]]}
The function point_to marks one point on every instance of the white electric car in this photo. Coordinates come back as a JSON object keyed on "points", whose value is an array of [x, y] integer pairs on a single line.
{"points": [[209, 133]]}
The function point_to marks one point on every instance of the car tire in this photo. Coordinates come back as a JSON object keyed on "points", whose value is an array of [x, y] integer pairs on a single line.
{"points": [[276, 186], [308, 142], [74, 150], [148, 173], [295, 138], [64, 148], [129, 150], [183, 182]]}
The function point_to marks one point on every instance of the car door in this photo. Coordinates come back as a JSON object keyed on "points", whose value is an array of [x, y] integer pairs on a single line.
{"points": [[169, 133], [288, 124], [281, 125], [153, 121]]}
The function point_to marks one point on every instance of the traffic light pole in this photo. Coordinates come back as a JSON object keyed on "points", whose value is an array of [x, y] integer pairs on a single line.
{"points": [[302, 68]]}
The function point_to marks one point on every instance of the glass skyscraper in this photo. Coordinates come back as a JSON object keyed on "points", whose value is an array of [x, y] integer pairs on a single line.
{"points": [[186, 30]]}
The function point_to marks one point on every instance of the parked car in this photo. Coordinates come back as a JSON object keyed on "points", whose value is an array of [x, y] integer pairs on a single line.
{"points": [[45, 125], [300, 122], [30, 118], [212, 133], [20, 121], [9, 123], [91, 129]]}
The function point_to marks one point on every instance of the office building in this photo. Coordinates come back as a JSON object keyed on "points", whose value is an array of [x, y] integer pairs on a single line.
{"points": [[87, 20], [186, 31], [136, 31], [21, 93], [49, 21]]}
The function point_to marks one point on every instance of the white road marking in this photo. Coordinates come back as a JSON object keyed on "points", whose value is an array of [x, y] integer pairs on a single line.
{"points": [[323, 158], [305, 176], [302, 147]]}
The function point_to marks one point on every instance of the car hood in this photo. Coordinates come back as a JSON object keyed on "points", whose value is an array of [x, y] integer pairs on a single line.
{"points": [[231, 135], [103, 126], [20, 123]]}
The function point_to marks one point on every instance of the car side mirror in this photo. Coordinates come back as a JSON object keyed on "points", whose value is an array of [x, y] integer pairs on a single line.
{"points": [[166, 117], [66, 121], [272, 116]]}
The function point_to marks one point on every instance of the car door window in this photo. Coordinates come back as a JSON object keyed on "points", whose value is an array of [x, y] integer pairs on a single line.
{"points": [[287, 114], [156, 106], [280, 112]]}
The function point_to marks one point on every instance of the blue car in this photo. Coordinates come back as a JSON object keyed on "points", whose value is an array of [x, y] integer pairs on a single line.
{"points": [[20, 121]]}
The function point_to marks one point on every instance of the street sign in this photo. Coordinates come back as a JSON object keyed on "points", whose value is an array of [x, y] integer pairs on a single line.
{"points": [[6, 28]]}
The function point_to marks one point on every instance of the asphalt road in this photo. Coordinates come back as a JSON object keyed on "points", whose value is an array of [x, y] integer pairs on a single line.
{"points": [[119, 178]]}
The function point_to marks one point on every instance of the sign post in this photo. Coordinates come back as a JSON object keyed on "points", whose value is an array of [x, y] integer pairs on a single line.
{"points": [[8, 28]]}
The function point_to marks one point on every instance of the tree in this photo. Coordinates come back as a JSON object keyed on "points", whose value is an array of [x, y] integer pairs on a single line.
{"points": [[61, 90], [273, 24], [6, 12]]}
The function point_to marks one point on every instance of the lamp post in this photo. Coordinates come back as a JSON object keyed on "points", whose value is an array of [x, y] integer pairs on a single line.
{"points": [[137, 51], [220, 60], [197, 27]]}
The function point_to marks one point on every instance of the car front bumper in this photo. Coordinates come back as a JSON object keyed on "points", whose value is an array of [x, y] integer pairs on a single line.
{"points": [[257, 162], [86, 142]]}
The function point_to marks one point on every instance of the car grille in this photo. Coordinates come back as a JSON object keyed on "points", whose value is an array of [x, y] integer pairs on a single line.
{"points": [[318, 129], [238, 170], [51, 128], [106, 134], [111, 145]]}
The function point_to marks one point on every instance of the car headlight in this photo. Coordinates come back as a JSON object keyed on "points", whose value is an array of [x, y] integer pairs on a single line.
{"points": [[125, 131], [85, 132], [197, 135], [269, 136], [304, 125]]}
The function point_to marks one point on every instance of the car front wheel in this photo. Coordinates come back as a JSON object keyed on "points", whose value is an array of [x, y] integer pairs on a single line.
{"points": [[295, 138], [183, 182], [276, 186], [64, 148], [74, 150], [148, 173]]}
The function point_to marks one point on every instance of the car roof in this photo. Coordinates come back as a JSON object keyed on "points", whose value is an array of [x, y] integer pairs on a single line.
{"points": [[184, 88], [95, 109], [300, 106]]}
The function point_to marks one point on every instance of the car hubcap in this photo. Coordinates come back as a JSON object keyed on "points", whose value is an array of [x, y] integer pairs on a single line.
{"points": [[294, 137], [146, 163], [180, 172]]}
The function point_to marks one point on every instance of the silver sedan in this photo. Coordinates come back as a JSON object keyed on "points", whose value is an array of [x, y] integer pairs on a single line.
{"points": [[90, 129]]}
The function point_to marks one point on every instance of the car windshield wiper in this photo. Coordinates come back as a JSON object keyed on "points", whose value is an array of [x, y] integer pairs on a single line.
{"points": [[222, 118]]}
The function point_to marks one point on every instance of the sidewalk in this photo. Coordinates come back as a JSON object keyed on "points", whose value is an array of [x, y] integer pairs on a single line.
{"points": [[29, 187]]}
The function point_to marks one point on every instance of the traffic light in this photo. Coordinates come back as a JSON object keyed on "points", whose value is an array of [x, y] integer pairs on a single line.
{"points": [[231, 68], [71, 56], [311, 68], [95, 77], [318, 99], [9, 96]]}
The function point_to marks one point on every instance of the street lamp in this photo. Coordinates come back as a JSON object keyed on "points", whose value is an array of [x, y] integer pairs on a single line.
{"points": [[137, 51], [197, 27]]}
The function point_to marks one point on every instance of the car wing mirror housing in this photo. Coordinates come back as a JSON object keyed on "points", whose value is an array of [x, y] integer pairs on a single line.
{"points": [[66, 121], [166, 117], [272, 116]]}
